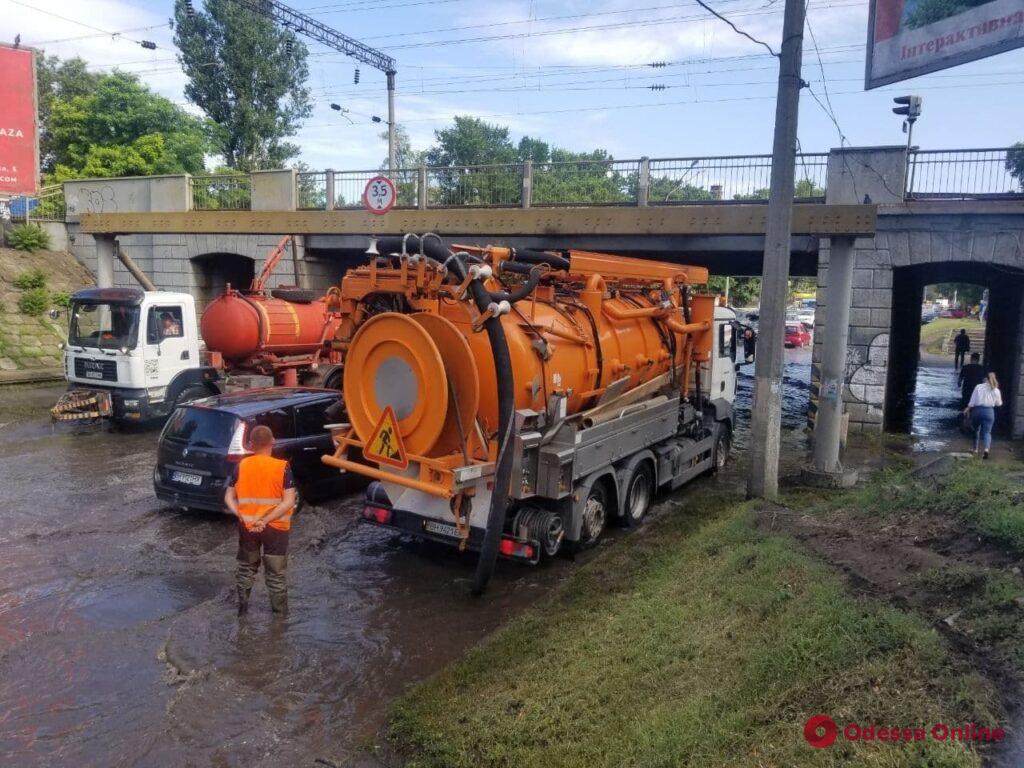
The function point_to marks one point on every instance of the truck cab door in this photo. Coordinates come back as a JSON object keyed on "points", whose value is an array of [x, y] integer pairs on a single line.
{"points": [[168, 347], [723, 361]]}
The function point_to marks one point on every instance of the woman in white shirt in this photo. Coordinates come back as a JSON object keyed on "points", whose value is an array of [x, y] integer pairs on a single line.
{"points": [[982, 410]]}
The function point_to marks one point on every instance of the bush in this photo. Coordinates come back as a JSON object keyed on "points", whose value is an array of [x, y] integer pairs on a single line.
{"points": [[28, 237], [34, 278], [61, 299], [34, 301]]}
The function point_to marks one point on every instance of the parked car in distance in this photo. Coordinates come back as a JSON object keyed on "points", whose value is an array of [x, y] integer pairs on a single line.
{"points": [[956, 312], [797, 335], [203, 441]]}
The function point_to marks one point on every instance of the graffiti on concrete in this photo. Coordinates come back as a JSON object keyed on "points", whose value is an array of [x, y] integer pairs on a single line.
{"points": [[867, 373], [98, 199]]}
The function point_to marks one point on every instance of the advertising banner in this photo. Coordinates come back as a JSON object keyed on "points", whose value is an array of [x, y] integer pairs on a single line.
{"points": [[19, 138], [907, 38]]}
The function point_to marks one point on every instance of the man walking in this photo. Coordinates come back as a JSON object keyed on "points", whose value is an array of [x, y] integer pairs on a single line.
{"points": [[971, 375], [262, 496], [961, 346]]}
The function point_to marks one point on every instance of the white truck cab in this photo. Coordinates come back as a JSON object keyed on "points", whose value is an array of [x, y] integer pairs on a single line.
{"points": [[132, 355]]}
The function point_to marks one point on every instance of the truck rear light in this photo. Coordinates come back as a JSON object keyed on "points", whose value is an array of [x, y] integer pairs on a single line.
{"points": [[236, 448], [511, 548], [380, 515]]}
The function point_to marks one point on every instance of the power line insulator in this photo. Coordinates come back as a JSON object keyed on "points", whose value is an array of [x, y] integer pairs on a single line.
{"points": [[658, 64], [288, 46], [658, 87], [190, 12], [355, 76], [149, 45]]}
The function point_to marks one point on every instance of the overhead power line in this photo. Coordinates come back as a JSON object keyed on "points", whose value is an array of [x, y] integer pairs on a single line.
{"points": [[736, 29]]}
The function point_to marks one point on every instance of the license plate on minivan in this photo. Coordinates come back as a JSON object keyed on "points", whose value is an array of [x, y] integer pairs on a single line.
{"points": [[187, 478]]}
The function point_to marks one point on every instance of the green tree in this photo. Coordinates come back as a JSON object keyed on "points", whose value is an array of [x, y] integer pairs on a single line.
{"points": [[743, 291], [248, 76], [1015, 162], [121, 128], [58, 80], [408, 160], [474, 142]]}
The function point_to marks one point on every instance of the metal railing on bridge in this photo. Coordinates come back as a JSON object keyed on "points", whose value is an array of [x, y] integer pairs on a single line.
{"points": [[662, 181], [221, 192], [965, 174], [48, 205]]}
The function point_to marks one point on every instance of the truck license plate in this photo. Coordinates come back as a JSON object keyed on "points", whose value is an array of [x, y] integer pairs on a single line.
{"points": [[94, 374], [441, 529], [187, 478]]}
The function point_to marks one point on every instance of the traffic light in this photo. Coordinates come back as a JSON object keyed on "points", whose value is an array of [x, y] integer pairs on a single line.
{"points": [[910, 106]]}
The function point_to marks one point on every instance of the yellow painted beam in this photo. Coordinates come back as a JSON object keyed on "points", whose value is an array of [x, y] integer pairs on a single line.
{"points": [[662, 220]]}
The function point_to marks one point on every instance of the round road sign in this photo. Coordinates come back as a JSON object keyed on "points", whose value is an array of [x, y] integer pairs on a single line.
{"points": [[379, 195]]}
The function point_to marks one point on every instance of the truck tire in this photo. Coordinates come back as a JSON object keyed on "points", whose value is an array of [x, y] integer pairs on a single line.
{"points": [[187, 395], [295, 295], [723, 447], [595, 516], [639, 492]]}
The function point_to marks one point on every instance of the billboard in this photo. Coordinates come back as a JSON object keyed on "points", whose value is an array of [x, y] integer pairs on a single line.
{"points": [[907, 38], [19, 138]]}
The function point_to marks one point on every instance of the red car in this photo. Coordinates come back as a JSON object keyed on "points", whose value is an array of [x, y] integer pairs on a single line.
{"points": [[797, 335]]}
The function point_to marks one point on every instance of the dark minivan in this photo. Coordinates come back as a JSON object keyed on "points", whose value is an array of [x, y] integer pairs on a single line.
{"points": [[204, 440]]}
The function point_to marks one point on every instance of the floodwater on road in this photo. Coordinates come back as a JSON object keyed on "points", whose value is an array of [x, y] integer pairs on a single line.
{"points": [[119, 644]]}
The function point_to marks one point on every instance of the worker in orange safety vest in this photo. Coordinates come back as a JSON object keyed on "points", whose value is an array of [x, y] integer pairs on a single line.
{"points": [[262, 497]]}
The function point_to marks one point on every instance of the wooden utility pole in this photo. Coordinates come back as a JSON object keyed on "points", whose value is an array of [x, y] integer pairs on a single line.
{"points": [[766, 428]]}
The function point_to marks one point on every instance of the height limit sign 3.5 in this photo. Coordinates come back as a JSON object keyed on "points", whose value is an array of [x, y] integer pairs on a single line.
{"points": [[379, 195]]}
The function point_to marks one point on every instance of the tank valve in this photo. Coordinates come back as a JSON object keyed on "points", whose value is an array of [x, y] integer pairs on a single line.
{"points": [[480, 271]]}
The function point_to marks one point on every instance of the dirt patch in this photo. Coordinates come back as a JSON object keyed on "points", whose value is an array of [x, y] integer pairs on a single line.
{"points": [[968, 588]]}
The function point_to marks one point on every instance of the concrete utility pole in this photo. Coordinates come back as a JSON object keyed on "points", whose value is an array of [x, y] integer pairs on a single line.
{"points": [[767, 410], [829, 420], [391, 122]]}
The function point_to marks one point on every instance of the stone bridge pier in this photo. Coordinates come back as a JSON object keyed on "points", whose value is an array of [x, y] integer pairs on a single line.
{"points": [[919, 243]]}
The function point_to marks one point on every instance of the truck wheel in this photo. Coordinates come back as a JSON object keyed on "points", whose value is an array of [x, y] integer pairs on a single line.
{"points": [[595, 516], [195, 392], [723, 446], [294, 295], [639, 493]]}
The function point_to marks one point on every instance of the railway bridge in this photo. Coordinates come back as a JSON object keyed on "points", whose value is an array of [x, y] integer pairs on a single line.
{"points": [[906, 220]]}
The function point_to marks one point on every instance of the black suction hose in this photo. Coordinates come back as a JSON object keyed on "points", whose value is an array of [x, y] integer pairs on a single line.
{"points": [[540, 257], [506, 399], [523, 290]]}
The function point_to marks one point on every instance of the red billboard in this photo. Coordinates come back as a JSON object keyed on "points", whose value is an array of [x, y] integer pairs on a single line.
{"points": [[19, 140], [907, 38]]}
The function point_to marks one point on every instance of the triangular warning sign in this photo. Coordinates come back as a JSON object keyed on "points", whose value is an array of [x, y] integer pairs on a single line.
{"points": [[385, 445]]}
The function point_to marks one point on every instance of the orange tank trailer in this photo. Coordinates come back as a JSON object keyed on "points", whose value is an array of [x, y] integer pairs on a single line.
{"points": [[267, 335]]}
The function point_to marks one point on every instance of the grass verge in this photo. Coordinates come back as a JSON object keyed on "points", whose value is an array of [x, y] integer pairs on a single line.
{"points": [[988, 496], [694, 645], [934, 335]]}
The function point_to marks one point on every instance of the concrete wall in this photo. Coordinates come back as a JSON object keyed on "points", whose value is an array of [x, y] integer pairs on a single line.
{"points": [[908, 237], [178, 262]]}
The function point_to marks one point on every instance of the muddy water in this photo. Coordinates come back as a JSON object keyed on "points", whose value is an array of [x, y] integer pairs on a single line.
{"points": [[118, 639]]}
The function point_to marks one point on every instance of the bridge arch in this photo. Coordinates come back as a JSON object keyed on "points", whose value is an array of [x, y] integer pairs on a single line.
{"points": [[213, 272]]}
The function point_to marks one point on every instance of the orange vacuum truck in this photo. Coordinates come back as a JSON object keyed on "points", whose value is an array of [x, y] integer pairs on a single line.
{"points": [[516, 402]]}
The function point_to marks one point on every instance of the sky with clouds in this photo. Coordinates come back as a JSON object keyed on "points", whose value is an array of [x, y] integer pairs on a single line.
{"points": [[574, 73]]}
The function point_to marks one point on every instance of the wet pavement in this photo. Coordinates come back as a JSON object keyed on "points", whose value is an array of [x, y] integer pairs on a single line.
{"points": [[118, 639], [119, 644]]}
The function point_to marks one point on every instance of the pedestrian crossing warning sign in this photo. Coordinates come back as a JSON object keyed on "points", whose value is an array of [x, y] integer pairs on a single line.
{"points": [[385, 444]]}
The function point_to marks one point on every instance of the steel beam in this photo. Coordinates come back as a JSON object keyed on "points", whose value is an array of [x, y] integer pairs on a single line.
{"points": [[814, 219]]}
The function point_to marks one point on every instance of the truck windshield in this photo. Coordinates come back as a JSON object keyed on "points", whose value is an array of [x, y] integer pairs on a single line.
{"points": [[108, 325], [200, 427]]}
